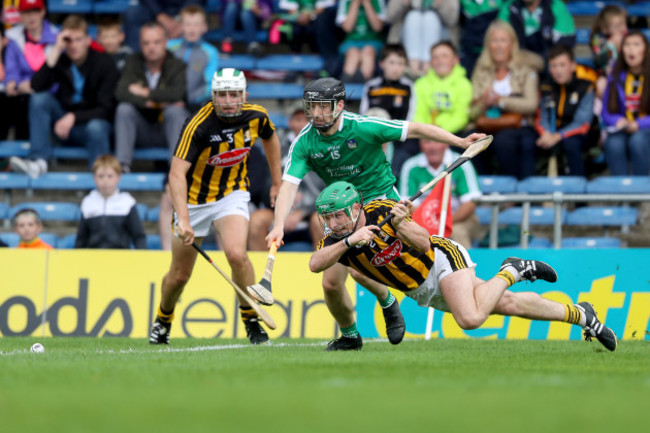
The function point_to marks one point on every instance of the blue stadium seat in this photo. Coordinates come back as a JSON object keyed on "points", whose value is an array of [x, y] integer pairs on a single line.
{"points": [[64, 181], [153, 242], [213, 6], [484, 214], [216, 35], [50, 238], [639, 10], [602, 216], [619, 185], [243, 62], [10, 238], [14, 148], [61, 152], [4, 211], [51, 211], [275, 91], [538, 215], [590, 7], [291, 62], [14, 181], [591, 242], [279, 120], [66, 242], [142, 211], [142, 182], [153, 214], [113, 6], [547, 185], [80, 7], [497, 184], [540, 243], [353, 92], [152, 154], [582, 36]]}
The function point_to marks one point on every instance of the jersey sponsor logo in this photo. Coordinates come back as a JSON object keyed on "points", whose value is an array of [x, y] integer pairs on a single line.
{"points": [[387, 255], [344, 170], [352, 144], [335, 154], [230, 158]]}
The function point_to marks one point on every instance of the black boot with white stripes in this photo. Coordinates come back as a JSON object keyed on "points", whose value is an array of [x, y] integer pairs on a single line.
{"points": [[530, 270], [594, 328]]}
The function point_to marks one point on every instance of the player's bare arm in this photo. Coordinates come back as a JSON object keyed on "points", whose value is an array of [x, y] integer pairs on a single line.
{"points": [[328, 256], [178, 191], [286, 198], [409, 231], [273, 157], [433, 132]]}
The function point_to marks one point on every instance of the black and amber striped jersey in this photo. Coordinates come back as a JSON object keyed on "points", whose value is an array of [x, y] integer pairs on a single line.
{"points": [[388, 259], [219, 150]]}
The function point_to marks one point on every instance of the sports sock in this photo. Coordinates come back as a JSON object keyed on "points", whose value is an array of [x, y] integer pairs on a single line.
{"points": [[509, 274], [351, 331], [574, 316], [166, 317], [247, 313], [388, 301]]}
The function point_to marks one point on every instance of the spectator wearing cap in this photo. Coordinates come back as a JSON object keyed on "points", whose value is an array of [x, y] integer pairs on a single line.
{"points": [[28, 44]]}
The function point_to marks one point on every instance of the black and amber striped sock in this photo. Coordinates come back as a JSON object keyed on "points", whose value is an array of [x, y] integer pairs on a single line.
{"points": [[247, 313], [165, 317], [572, 314], [507, 277]]}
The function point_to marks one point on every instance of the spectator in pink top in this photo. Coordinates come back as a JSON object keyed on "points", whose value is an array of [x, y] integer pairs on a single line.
{"points": [[27, 46]]}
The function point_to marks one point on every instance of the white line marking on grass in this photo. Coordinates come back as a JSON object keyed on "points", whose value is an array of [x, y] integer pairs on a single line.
{"points": [[197, 348]]}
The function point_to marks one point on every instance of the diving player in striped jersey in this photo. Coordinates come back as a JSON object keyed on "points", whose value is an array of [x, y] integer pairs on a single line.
{"points": [[434, 271]]}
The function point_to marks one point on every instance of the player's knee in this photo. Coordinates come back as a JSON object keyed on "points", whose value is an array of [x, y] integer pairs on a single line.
{"points": [[469, 321], [178, 277], [330, 286], [237, 258]]}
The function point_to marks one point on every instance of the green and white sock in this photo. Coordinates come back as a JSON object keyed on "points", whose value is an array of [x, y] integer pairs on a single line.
{"points": [[351, 331], [388, 301]]}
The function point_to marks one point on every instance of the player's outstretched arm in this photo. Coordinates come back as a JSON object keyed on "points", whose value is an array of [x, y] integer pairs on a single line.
{"points": [[433, 132], [273, 157], [178, 192], [326, 257], [286, 198], [408, 230]]}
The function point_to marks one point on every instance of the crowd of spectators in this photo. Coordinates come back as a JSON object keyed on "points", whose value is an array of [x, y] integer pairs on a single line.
{"points": [[505, 67]]}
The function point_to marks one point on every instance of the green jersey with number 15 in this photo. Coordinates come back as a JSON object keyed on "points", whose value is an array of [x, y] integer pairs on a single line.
{"points": [[353, 153]]}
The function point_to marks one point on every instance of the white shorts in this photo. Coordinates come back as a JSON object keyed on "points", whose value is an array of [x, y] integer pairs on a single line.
{"points": [[202, 215], [428, 294]]}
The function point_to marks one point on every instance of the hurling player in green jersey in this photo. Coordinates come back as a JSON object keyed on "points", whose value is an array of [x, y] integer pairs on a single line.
{"points": [[339, 145]]}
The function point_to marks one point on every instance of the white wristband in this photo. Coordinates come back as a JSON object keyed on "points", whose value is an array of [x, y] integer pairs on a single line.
{"points": [[347, 242]]}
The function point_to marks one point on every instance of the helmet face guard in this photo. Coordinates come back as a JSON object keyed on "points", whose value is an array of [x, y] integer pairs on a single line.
{"points": [[321, 102], [228, 92], [322, 114], [335, 207]]}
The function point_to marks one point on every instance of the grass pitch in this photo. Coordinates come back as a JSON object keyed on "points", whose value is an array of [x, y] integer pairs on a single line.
{"points": [[125, 385]]}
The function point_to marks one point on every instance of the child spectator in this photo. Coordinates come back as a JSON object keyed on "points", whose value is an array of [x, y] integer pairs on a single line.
{"points": [[626, 108], [392, 93], [111, 37], [362, 21], [201, 58], [444, 95], [251, 14], [566, 109], [28, 225], [606, 35], [109, 218]]}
